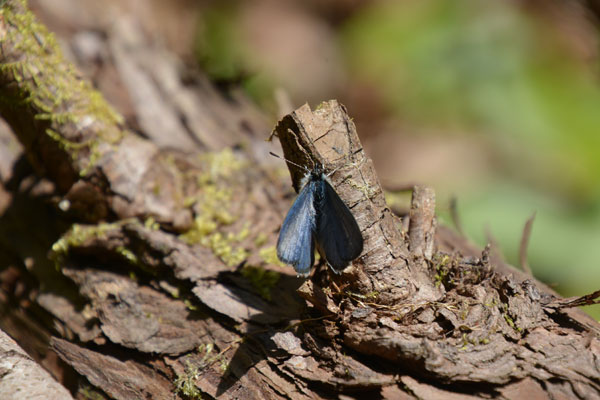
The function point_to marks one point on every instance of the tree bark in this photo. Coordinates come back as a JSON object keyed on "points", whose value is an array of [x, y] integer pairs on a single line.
{"points": [[167, 282]]}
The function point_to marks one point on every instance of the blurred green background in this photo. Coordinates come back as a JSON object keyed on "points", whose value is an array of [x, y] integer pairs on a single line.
{"points": [[496, 103]]}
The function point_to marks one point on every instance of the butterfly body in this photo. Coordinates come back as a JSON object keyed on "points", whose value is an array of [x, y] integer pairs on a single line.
{"points": [[318, 216]]}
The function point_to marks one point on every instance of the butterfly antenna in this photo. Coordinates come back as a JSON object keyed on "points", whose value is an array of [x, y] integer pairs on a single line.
{"points": [[333, 172], [343, 165], [288, 161]]}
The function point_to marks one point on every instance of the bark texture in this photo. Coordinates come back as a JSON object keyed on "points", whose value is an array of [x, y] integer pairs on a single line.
{"points": [[22, 376], [167, 282]]}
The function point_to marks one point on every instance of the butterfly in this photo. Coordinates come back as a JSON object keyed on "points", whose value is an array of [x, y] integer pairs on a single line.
{"points": [[318, 216]]}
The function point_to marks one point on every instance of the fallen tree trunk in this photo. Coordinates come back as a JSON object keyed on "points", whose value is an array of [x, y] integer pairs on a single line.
{"points": [[167, 280]]}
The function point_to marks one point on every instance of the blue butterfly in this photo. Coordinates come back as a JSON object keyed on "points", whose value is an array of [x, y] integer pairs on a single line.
{"points": [[318, 216]]}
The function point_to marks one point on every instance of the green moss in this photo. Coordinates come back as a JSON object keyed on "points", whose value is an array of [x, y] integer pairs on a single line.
{"points": [[223, 248], [322, 105], [492, 303], [260, 239], [93, 157], [509, 321], [189, 305], [89, 392], [269, 256], [51, 88], [185, 383], [441, 268], [464, 342], [151, 224], [439, 278], [371, 296], [368, 190], [213, 204], [464, 311], [508, 318], [78, 235], [262, 280], [127, 254], [64, 143]]}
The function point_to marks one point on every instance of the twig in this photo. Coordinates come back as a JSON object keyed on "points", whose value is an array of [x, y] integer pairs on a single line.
{"points": [[495, 255], [577, 301], [454, 215], [525, 245], [295, 324]]}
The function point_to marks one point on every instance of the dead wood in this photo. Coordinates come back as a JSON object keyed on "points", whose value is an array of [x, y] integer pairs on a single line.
{"points": [[21, 374], [167, 281]]}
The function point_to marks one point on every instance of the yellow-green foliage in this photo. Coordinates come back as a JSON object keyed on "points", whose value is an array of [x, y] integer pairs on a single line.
{"points": [[214, 207], [89, 392], [223, 248], [441, 268], [127, 254], [368, 190], [49, 86], [269, 256], [185, 383], [151, 224], [262, 280], [260, 239], [80, 234], [370, 297]]}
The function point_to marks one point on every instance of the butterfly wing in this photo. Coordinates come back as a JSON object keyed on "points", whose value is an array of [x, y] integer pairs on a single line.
{"points": [[295, 245], [338, 234]]}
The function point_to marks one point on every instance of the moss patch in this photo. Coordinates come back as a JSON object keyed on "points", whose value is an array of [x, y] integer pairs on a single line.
{"points": [[214, 208], [79, 235], [50, 88], [262, 280]]}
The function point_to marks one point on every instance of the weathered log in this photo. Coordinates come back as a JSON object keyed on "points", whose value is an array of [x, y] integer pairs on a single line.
{"points": [[168, 281]]}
